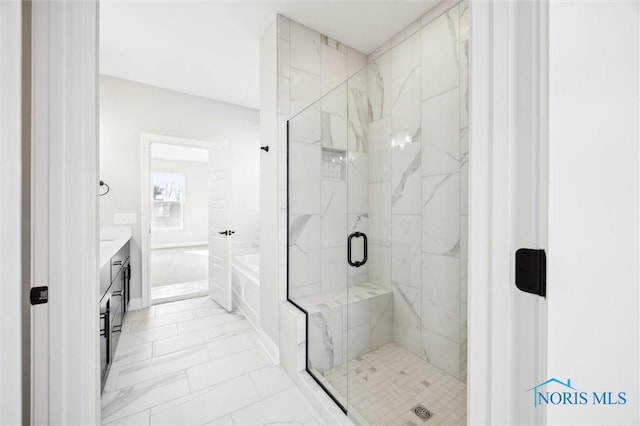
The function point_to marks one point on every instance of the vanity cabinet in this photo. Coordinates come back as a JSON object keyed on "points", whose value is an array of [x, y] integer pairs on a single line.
{"points": [[115, 277]]}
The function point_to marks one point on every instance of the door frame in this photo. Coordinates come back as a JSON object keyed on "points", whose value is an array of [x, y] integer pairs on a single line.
{"points": [[71, 43], [14, 326], [508, 173], [146, 139], [65, 351]]}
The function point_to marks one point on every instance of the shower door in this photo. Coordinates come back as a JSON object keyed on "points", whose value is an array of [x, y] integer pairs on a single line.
{"points": [[330, 249], [318, 234]]}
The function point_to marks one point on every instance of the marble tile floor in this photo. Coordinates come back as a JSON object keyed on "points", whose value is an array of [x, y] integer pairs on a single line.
{"points": [[180, 291], [385, 384], [192, 363]]}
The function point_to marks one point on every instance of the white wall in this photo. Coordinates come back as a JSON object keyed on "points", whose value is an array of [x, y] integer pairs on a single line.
{"points": [[195, 226], [128, 109], [269, 229], [593, 206]]}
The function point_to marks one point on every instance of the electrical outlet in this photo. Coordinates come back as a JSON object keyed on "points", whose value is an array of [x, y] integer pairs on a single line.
{"points": [[124, 219]]}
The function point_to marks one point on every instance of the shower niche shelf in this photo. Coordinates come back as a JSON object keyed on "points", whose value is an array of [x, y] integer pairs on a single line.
{"points": [[333, 165]]}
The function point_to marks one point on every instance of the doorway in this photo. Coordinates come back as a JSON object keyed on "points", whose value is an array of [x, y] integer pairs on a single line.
{"points": [[176, 197]]}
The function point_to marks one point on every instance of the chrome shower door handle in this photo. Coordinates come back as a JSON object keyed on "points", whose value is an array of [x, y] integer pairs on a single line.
{"points": [[357, 263]]}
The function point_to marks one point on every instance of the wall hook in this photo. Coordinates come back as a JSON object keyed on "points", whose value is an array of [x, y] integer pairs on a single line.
{"points": [[103, 183], [265, 148]]}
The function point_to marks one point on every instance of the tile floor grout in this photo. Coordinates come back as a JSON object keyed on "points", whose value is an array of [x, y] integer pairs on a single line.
{"points": [[175, 398], [242, 339]]}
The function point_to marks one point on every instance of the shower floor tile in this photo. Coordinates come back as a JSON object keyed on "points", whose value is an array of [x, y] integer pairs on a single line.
{"points": [[386, 384]]}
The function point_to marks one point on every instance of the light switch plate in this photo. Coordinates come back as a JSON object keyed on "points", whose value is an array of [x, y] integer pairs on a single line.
{"points": [[124, 218]]}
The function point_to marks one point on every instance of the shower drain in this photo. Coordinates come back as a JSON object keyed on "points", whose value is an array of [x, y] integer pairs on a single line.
{"points": [[422, 412]]}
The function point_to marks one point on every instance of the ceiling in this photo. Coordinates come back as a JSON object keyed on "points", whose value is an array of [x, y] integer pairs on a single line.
{"points": [[212, 48]]}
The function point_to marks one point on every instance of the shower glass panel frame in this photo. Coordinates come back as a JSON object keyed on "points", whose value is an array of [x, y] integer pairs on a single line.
{"points": [[328, 204], [318, 165]]}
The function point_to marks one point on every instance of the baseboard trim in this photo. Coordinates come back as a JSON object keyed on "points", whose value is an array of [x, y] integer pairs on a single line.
{"points": [[178, 245], [135, 303], [269, 346]]}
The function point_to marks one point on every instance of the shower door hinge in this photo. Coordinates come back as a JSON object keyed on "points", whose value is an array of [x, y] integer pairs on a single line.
{"points": [[531, 271]]}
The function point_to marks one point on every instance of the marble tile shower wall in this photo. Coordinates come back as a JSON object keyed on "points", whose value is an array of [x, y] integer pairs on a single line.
{"points": [[418, 95], [311, 65], [407, 144]]}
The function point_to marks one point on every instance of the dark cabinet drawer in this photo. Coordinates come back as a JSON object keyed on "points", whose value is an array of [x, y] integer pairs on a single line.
{"points": [[126, 286], [105, 331], [116, 328], [118, 261], [114, 294]]}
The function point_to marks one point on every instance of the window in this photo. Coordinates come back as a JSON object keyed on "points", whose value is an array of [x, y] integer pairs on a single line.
{"points": [[167, 198]]}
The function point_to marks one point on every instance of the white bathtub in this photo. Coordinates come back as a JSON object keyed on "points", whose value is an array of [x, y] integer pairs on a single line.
{"points": [[245, 281]]}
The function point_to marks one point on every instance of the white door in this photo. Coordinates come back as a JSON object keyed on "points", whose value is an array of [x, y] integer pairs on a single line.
{"points": [[220, 236]]}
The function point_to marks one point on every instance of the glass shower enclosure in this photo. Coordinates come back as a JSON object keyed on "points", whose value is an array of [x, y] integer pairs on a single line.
{"points": [[377, 220]]}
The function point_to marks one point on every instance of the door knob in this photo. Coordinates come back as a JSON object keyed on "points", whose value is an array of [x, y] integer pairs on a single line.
{"points": [[227, 232]]}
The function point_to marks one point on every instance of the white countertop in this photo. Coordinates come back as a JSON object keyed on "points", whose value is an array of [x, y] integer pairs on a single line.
{"points": [[112, 238]]}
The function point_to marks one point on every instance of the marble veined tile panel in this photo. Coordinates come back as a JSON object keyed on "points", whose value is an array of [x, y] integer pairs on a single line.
{"points": [[334, 213], [132, 399], [334, 269], [379, 213], [379, 73], [380, 150], [306, 126], [339, 298], [405, 57], [304, 178], [441, 352], [304, 250], [333, 131], [233, 344], [359, 118], [305, 89], [208, 405], [441, 134], [406, 163], [405, 108], [160, 366], [305, 49], [441, 295], [286, 407], [381, 322], [325, 338], [334, 67], [271, 380], [406, 255], [223, 369], [440, 54], [357, 179], [185, 341], [406, 317], [441, 214]]}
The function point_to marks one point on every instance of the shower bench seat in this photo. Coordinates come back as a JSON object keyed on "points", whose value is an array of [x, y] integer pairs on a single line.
{"points": [[337, 298], [341, 325]]}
